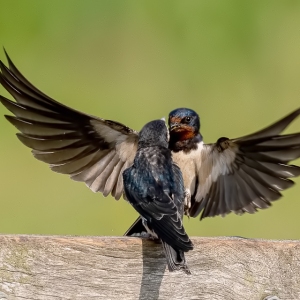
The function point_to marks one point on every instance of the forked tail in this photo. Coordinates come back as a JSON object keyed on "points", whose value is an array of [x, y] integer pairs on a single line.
{"points": [[175, 259]]}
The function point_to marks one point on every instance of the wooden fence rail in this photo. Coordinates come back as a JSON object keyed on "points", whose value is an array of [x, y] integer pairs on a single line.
{"points": [[60, 267]]}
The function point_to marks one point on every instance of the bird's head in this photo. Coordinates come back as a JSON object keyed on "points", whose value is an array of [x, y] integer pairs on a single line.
{"points": [[154, 133], [184, 123]]}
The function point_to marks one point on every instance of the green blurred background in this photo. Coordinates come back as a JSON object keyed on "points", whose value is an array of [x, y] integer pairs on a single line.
{"points": [[237, 63]]}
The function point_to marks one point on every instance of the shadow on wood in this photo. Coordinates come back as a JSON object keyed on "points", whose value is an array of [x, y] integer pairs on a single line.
{"points": [[53, 267], [153, 272]]}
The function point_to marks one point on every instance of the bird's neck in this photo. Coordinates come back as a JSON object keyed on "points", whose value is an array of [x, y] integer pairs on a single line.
{"points": [[184, 142]]}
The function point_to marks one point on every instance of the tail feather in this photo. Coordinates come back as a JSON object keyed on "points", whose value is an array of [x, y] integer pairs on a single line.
{"points": [[175, 259]]}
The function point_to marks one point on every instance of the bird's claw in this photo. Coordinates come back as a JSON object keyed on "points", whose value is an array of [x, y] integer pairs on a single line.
{"points": [[187, 202], [142, 234]]}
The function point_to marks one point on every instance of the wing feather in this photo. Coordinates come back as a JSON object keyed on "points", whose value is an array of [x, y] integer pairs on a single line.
{"points": [[244, 174], [87, 148]]}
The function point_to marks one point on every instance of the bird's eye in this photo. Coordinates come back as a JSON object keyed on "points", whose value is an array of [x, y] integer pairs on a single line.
{"points": [[187, 119]]}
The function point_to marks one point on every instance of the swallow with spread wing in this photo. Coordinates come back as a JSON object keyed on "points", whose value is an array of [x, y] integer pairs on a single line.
{"points": [[154, 187], [232, 175]]}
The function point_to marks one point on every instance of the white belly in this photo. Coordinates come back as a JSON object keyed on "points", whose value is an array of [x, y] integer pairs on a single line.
{"points": [[189, 164]]}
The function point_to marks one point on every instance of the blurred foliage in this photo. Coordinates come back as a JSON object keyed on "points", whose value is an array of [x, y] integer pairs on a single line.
{"points": [[235, 62]]}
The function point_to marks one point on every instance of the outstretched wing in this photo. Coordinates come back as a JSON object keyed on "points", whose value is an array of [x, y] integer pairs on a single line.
{"points": [[243, 174], [89, 149]]}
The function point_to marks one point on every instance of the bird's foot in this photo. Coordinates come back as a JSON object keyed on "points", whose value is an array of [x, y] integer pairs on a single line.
{"points": [[187, 202], [142, 234], [153, 238]]}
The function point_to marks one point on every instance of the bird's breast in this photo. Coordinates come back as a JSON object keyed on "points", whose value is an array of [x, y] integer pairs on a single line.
{"points": [[189, 164]]}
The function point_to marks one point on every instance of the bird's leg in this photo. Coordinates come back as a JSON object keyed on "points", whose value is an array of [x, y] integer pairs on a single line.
{"points": [[151, 235], [187, 202]]}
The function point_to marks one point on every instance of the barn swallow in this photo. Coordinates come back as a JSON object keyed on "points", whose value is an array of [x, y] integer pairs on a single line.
{"points": [[232, 175], [153, 185]]}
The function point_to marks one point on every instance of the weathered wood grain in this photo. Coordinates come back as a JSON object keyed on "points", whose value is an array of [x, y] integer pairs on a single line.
{"points": [[53, 267]]}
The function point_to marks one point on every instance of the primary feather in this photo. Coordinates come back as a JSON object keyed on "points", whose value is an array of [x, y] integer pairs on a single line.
{"points": [[89, 149]]}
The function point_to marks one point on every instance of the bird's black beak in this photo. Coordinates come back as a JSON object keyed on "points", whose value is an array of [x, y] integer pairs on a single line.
{"points": [[174, 126]]}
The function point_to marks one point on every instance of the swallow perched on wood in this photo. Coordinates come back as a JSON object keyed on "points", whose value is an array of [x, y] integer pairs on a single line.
{"points": [[232, 175], [154, 187]]}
